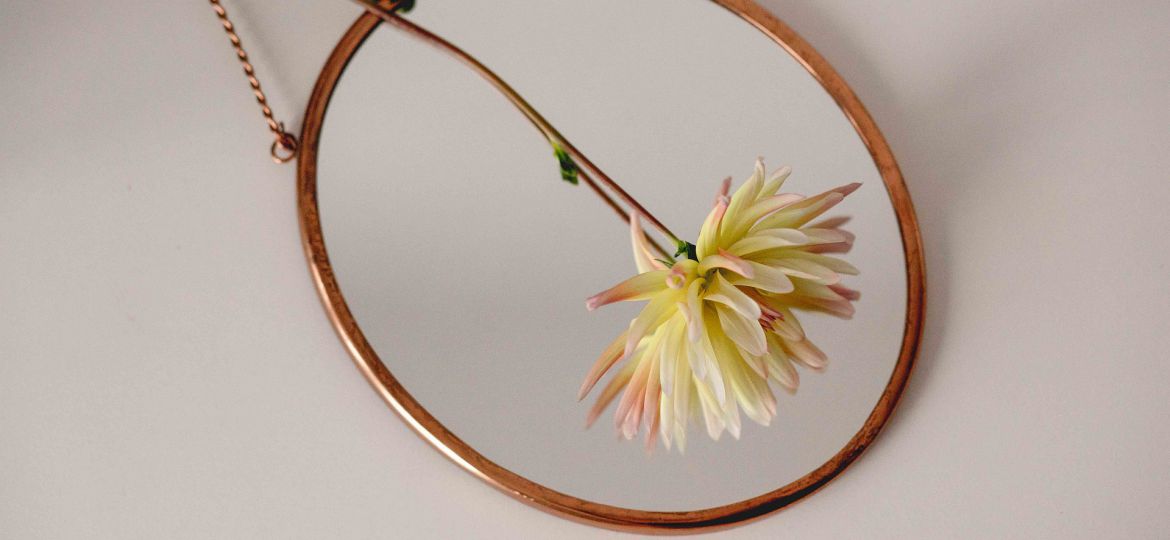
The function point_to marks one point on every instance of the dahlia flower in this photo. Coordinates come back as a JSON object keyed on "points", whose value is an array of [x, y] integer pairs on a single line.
{"points": [[719, 325]]}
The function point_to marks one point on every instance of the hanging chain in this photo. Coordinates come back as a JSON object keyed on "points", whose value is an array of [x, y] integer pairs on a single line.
{"points": [[284, 146]]}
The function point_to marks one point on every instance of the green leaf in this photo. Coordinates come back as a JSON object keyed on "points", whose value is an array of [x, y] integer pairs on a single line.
{"points": [[569, 170], [403, 6]]}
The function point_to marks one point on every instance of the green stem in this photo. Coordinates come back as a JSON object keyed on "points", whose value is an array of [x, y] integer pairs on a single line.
{"points": [[559, 143]]}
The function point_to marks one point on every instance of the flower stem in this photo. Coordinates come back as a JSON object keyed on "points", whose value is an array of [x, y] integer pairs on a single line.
{"points": [[544, 126]]}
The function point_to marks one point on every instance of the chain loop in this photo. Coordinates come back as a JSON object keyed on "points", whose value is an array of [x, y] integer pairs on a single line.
{"points": [[285, 142], [284, 145]]}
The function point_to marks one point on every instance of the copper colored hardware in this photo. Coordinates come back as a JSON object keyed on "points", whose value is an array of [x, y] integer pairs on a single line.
{"points": [[284, 144], [449, 444]]}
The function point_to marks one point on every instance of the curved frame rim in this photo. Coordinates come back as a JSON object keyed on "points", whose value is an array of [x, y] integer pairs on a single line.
{"points": [[613, 517]]}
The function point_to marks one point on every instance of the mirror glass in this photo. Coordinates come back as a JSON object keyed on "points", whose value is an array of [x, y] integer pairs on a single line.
{"points": [[466, 260]]}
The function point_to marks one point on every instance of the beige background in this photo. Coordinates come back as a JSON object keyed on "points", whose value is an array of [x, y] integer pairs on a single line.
{"points": [[154, 291]]}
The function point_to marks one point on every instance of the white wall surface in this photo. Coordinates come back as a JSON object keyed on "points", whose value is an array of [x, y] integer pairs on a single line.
{"points": [[152, 280]]}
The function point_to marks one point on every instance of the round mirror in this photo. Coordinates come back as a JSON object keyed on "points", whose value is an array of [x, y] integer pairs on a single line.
{"points": [[455, 261]]}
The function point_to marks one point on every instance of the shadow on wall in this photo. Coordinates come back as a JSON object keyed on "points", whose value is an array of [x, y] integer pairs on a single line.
{"points": [[943, 133]]}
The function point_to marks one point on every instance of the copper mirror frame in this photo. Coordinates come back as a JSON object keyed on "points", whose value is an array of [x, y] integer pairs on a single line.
{"points": [[613, 517]]}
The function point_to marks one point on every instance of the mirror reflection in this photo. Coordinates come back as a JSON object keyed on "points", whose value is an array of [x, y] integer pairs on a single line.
{"points": [[467, 260]]}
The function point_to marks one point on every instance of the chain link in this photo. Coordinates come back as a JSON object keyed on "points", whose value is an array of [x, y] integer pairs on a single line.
{"points": [[284, 146]]}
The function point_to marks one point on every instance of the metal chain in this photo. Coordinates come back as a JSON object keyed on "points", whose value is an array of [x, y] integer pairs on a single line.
{"points": [[284, 147]]}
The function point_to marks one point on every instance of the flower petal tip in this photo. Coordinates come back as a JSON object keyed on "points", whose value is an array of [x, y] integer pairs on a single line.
{"points": [[848, 188]]}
